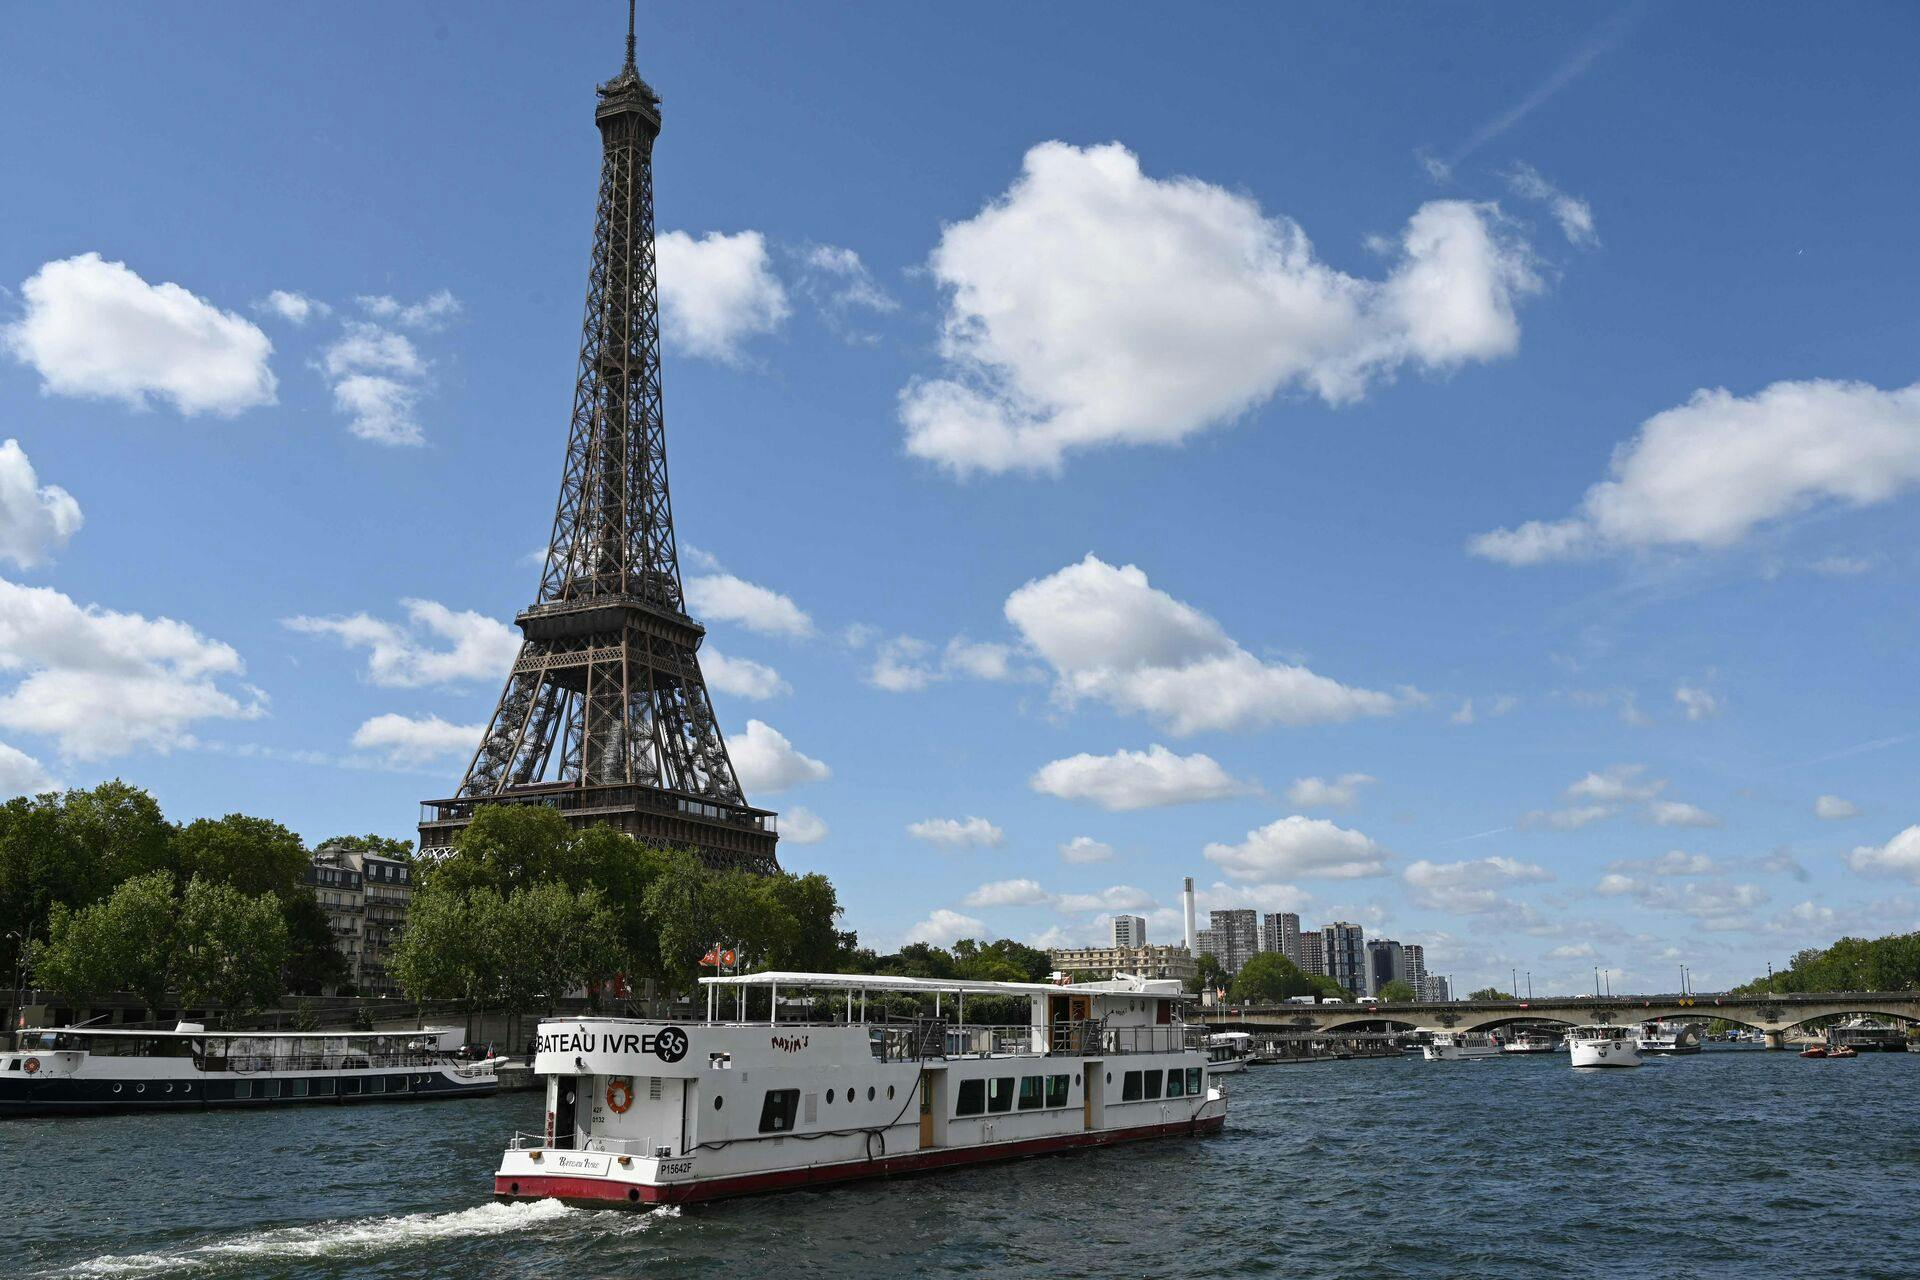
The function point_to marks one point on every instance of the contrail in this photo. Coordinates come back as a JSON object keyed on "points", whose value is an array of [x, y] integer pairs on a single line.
{"points": [[1856, 750], [1478, 835], [1609, 34]]}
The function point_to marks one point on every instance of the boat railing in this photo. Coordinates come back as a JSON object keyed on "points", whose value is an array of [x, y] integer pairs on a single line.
{"points": [[592, 1146], [260, 1063]]}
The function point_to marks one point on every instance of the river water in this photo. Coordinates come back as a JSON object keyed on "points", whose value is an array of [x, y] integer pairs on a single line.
{"points": [[1729, 1163]]}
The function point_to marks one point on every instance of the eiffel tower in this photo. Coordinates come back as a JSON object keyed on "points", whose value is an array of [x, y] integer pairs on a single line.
{"points": [[605, 716]]}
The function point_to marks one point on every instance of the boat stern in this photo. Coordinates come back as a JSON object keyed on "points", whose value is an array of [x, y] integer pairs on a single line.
{"points": [[592, 1179]]}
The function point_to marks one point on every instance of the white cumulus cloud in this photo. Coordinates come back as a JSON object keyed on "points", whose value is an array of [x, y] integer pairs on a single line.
{"points": [[378, 377], [1676, 813], [1008, 893], [407, 741], [22, 775], [95, 329], [408, 655], [1318, 793], [293, 307], [1146, 779], [1706, 473], [1833, 808], [35, 519], [1083, 849], [800, 825], [722, 597], [944, 928], [1092, 305], [1899, 856], [1304, 847], [1110, 635], [766, 762], [1475, 887], [957, 833], [717, 292], [741, 677], [101, 683], [1699, 704], [1574, 215], [1118, 897]]}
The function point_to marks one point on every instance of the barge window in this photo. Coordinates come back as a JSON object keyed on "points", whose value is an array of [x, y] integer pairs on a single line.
{"points": [[1130, 1087], [1056, 1091], [999, 1094], [1153, 1085], [1193, 1081], [1176, 1083], [269, 1088], [296, 1088], [1032, 1092], [973, 1098], [243, 1089], [776, 1113]]}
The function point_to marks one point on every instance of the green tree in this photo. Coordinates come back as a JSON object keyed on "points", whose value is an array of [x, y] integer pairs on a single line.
{"points": [[507, 847], [252, 855], [125, 942], [42, 863], [314, 962], [1211, 975], [443, 954], [231, 947], [1397, 992], [1486, 994], [548, 938], [382, 846], [1269, 976], [122, 828]]}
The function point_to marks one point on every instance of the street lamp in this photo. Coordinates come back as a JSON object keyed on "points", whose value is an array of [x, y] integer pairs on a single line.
{"points": [[1529, 984]]}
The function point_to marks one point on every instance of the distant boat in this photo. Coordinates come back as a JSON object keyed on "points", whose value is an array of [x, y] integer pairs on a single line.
{"points": [[1603, 1046], [1867, 1035], [1814, 1051], [1228, 1052], [1455, 1046], [1533, 1042], [1669, 1037]]}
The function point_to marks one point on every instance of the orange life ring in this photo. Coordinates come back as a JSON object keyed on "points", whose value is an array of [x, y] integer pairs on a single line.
{"points": [[619, 1096], [31, 1065]]}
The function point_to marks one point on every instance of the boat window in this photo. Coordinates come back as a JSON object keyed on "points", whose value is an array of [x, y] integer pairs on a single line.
{"points": [[323, 1088], [350, 1085], [1153, 1084], [269, 1088], [1129, 1087], [869, 1093], [829, 1097], [717, 1100], [1056, 1091], [776, 1113], [1193, 1081], [1000, 1094], [889, 1093], [243, 1088], [1176, 1082], [973, 1098], [1032, 1092], [396, 1084]]}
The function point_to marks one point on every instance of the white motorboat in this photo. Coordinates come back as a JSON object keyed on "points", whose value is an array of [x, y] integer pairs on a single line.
{"points": [[1229, 1051], [1603, 1046], [1531, 1041], [647, 1111], [1669, 1037], [1456, 1046]]}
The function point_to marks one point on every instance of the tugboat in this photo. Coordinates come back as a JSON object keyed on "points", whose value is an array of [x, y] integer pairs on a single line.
{"points": [[1603, 1046], [644, 1111], [92, 1070]]}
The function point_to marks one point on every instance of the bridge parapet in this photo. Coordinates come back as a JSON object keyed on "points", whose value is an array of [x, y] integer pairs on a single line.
{"points": [[1774, 1013]]}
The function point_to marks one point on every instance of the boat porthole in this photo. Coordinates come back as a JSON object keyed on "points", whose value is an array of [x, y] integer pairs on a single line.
{"points": [[633, 1193], [116, 1088], [829, 1097], [717, 1100], [1109, 1077], [889, 1093], [1076, 1078], [169, 1088], [869, 1093], [139, 1088]]}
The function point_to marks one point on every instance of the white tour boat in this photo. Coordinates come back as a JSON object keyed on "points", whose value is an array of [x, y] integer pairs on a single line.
{"points": [[1603, 1046], [1532, 1041], [1669, 1037], [67, 1070], [1456, 1046], [644, 1111], [1228, 1052]]}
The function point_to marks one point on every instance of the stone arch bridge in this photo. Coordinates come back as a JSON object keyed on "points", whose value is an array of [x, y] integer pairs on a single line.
{"points": [[1775, 1015]]}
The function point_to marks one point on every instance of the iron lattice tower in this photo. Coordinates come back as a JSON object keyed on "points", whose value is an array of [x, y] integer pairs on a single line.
{"points": [[605, 715]]}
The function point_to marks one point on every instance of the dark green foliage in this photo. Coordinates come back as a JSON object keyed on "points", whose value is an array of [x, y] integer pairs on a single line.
{"points": [[1891, 963]]}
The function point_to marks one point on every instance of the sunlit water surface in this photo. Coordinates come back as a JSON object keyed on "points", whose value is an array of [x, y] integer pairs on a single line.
{"points": [[1735, 1163]]}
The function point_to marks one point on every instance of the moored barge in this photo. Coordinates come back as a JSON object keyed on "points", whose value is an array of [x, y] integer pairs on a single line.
{"points": [[644, 1112], [94, 1070]]}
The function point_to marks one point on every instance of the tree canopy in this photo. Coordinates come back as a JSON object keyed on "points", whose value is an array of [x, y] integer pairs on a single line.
{"points": [[1890, 963], [1398, 992]]}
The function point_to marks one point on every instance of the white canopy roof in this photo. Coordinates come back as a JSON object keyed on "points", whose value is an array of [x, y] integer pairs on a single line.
{"points": [[1166, 987]]}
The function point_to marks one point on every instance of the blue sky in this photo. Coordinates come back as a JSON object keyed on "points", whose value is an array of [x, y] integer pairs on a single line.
{"points": [[1451, 470]]}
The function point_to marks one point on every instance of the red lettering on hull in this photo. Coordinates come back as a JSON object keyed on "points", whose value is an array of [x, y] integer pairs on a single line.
{"points": [[604, 1193]]}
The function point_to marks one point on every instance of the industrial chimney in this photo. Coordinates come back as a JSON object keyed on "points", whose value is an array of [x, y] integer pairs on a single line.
{"points": [[1186, 905]]}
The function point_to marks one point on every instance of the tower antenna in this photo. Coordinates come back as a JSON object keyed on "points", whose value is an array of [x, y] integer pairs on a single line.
{"points": [[630, 66]]}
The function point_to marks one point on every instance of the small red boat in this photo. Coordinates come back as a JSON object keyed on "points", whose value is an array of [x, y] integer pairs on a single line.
{"points": [[1814, 1051]]}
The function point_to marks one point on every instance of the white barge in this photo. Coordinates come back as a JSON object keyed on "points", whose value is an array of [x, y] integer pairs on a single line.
{"points": [[92, 1070], [649, 1112]]}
